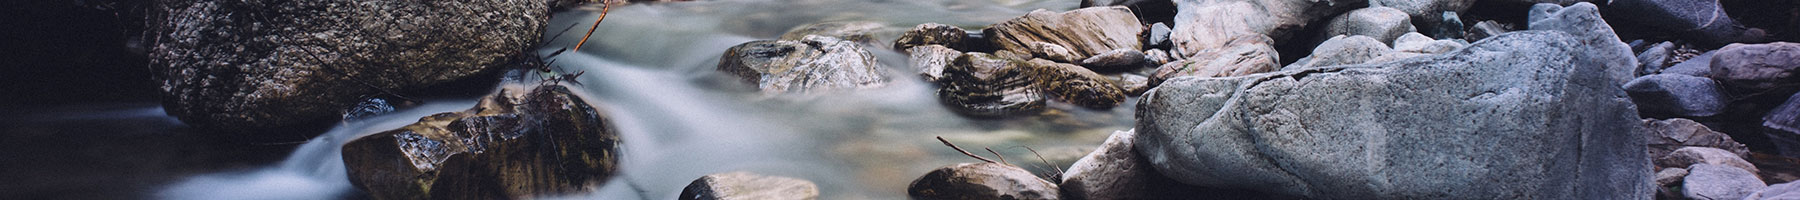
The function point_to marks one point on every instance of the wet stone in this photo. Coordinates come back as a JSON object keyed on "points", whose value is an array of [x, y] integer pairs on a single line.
{"points": [[981, 181], [1115, 60], [984, 85], [931, 34], [1076, 85]]}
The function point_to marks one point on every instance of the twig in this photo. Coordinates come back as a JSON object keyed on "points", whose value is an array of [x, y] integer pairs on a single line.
{"points": [[959, 149], [605, 7], [997, 154], [1059, 171]]}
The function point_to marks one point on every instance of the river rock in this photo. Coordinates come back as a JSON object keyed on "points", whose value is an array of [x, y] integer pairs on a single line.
{"points": [[256, 66], [981, 181], [1381, 23], [984, 85], [1583, 18], [854, 31], [1115, 60], [741, 185], [1133, 84], [1697, 20], [1419, 43], [1414, 128], [931, 34], [1084, 32], [1156, 57], [1653, 59], [1343, 50], [1782, 126], [1204, 25], [1707, 181], [1670, 176], [1699, 65], [1247, 54], [1676, 133], [1432, 12], [1115, 171], [931, 60], [812, 64], [1159, 36], [519, 142], [1757, 67], [1485, 29], [1689, 156], [1676, 95], [1075, 85], [1054, 52], [1778, 191]]}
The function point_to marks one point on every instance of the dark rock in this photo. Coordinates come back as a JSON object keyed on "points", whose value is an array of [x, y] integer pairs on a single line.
{"points": [[1075, 85], [257, 65], [854, 31], [513, 144], [1449, 27], [1699, 65], [1084, 32], [1148, 11], [1159, 36], [1676, 95], [1697, 20], [984, 85], [1156, 57], [1689, 156], [1410, 128], [931, 60], [1777, 191], [931, 34], [1775, 168], [1382, 23], [1115, 60], [1782, 126], [1671, 134], [1757, 67], [813, 64], [1247, 54], [1653, 59], [745, 186], [1709, 182], [981, 181]]}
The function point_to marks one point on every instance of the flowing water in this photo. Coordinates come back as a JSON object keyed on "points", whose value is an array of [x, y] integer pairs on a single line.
{"points": [[650, 67]]}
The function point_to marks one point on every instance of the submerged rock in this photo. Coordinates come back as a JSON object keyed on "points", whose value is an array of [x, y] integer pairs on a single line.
{"points": [[931, 34], [812, 64], [1706, 181], [981, 181], [1414, 128], [1084, 32], [748, 186], [256, 66], [1382, 23], [516, 143], [1676, 95], [1757, 67], [1076, 85], [984, 85], [1671, 134]]}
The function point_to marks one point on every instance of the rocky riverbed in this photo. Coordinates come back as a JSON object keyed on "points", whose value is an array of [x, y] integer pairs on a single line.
{"points": [[930, 99]]}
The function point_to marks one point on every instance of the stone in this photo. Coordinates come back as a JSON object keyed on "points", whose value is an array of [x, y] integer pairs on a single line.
{"points": [[981, 181], [1703, 21], [988, 86], [1429, 11], [1115, 171], [1206, 25], [1450, 26], [1414, 128], [1485, 29], [1699, 65], [1381, 23], [814, 64], [1075, 85], [1247, 54], [1133, 84], [1156, 57], [1757, 67], [1084, 32], [1115, 60], [1342, 50], [1782, 126], [1054, 52], [1676, 95], [245, 67], [1159, 36], [1419, 43], [1668, 135], [1706, 181], [1653, 59], [1689, 156], [1583, 18], [855, 31], [1778, 191], [930, 60], [525, 140], [932, 34], [740, 185], [1670, 176]]}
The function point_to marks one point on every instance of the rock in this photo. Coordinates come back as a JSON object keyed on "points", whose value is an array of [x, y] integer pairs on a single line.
{"points": [[1159, 36], [1485, 29], [1075, 85], [1777, 191], [1429, 11], [1415, 128], [1670, 176], [242, 67], [1419, 43], [1115, 171], [1156, 57], [931, 34], [1583, 18], [1205, 25], [1689, 156], [1676, 133], [981, 181], [1706, 181], [1084, 32], [1757, 67], [1449, 26], [1676, 95], [741, 185], [1247, 54], [516, 143], [1054, 52], [1381, 23], [1115, 60], [1133, 84], [854, 31], [1782, 126], [1343, 50], [813, 64], [1699, 65], [984, 85], [1697, 20], [1652, 60], [931, 60]]}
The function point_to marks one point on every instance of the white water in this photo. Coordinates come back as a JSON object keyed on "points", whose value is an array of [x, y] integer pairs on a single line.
{"points": [[651, 68]]}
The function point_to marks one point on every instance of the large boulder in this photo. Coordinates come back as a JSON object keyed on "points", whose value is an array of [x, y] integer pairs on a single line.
{"points": [[1382, 23], [1676, 95], [256, 65], [748, 186], [1583, 21], [1697, 20], [519, 142], [981, 181], [1202, 25], [1417, 128], [1757, 67], [809, 65], [1084, 32]]}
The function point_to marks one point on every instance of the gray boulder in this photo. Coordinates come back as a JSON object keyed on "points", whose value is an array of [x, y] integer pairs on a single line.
{"points": [[1676, 95], [1583, 18], [1115, 171], [741, 185], [930, 60], [1668, 135], [1204, 25], [1408, 130], [1246, 54], [1714, 182], [1698, 20], [1778, 191], [1343, 50], [810, 65], [1381, 23], [1757, 67], [253, 66], [1430, 11]]}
